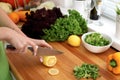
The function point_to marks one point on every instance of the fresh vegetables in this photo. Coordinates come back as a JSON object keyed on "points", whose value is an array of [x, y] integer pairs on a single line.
{"points": [[39, 20], [22, 15], [18, 16], [51, 25], [82, 23], [86, 71], [113, 63], [14, 17], [63, 27], [96, 39]]}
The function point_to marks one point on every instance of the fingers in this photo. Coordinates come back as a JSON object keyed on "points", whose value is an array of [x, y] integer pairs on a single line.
{"points": [[35, 50], [42, 43], [34, 46], [22, 44], [22, 49]]}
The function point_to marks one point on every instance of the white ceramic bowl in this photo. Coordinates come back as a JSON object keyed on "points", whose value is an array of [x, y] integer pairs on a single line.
{"points": [[96, 49]]}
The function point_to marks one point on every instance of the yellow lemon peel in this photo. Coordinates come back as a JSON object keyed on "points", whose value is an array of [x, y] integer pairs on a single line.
{"points": [[74, 40]]}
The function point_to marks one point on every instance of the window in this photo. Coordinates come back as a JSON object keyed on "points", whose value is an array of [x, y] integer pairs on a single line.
{"points": [[109, 7]]}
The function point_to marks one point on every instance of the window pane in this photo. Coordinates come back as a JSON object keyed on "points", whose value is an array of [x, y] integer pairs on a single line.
{"points": [[109, 8]]}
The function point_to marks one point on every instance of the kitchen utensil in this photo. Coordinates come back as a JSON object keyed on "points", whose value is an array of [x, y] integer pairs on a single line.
{"points": [[42, 51]]}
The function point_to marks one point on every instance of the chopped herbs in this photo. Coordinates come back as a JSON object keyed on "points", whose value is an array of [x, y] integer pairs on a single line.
{"points": [[52, 25], [86, 71], [96, 39]]}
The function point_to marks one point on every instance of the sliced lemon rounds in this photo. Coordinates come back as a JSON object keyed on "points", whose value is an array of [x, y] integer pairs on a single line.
{"points": [[53, 71]]}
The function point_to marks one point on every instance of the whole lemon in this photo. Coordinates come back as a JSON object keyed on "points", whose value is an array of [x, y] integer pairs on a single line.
{"points": [[74, 40]]}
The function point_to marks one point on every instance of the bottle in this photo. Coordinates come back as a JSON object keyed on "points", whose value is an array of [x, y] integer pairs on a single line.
{"points": [[96, 11], [93, 14]]}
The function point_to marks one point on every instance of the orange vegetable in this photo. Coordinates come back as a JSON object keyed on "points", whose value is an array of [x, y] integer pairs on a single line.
{"points": [[14, 17], [22, 15], [113, 63]]}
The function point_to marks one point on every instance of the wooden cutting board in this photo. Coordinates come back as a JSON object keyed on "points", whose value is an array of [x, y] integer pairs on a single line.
{"points": [[28, 67]]}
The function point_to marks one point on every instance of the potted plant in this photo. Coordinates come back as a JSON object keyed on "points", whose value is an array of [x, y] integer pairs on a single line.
{"points": [[117, 34], [118, 10]]}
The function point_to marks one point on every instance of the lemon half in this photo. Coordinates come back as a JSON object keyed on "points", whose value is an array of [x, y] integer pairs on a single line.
{"points": [[49, 61]]}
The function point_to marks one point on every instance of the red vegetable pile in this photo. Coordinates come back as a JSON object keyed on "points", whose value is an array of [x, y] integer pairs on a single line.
{"points": [[39, 20]]}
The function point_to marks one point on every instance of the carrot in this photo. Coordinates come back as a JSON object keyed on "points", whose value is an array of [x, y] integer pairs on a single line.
{"points": [[14, 17], [22, 15]]}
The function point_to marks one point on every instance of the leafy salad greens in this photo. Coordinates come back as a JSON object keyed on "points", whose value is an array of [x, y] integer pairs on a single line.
{"points": [[73, 23], [96, 39]]}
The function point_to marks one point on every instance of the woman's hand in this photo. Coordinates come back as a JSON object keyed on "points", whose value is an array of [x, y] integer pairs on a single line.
{"points": [[19, 41], [16, 37]]}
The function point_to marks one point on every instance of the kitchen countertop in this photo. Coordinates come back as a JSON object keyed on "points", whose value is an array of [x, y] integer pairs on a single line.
{"points": [[28, 67]]}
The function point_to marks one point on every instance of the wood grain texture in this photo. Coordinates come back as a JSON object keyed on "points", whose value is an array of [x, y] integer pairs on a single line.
{"points": [[28, 67]]}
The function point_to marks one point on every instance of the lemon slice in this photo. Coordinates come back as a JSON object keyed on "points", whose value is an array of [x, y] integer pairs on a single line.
{"points": [[49, 61], [53, 71]]}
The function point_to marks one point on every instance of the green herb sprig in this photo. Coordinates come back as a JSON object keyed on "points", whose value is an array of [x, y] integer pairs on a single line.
{"points": [[118, 11], [86, 71]]}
